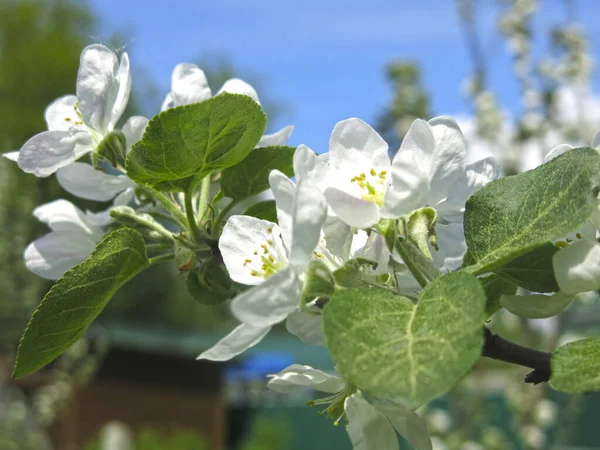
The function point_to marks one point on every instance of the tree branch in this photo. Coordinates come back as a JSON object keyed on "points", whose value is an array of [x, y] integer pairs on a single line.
{"points": [[495, 347]]}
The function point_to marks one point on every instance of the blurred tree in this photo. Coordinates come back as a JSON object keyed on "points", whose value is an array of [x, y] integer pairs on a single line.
{"points": [[409, 102], [40, 43]]}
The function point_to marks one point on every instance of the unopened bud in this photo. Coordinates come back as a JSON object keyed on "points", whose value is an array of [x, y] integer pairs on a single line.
{"points": [[113, 148]]}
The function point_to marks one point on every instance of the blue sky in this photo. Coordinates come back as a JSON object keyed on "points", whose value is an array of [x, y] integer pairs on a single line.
{"points": [[325, 59]]}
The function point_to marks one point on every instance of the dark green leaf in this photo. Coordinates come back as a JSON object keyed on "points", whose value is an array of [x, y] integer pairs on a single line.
{"points": [[183, 144], [533, 271], [576, 366], [78, 297], [495, 287], [387, 346], [318, 281], [251, 176], [514, 215], [210, 285], [266, 210]]}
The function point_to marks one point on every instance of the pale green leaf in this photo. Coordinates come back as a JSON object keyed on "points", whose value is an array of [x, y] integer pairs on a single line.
{"points": [[494, 288], [536, 306], [183, 144], [576, 366], [512, 216], [532, 271], [78, 297], [251, 176], [388, 346]]}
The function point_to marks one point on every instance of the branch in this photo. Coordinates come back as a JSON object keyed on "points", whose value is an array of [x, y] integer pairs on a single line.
{"points": [[495, 347]]}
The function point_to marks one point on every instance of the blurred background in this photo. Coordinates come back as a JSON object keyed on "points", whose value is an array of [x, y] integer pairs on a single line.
{"points": [[519, 75]]}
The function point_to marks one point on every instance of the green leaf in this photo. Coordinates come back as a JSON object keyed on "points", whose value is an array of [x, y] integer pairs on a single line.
{"points": [[388, 346], [266, 210], [515, 215], [251, 176], [183, 144], [210, 285], [536, 306], [352, 274], [318, 281], [494, 288], [533, 271], [576, 366], [78, 297]]}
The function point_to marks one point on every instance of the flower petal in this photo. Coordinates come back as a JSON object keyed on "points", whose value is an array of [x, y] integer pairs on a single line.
{"points": [[61, 114], [308, 165], [276, 139], [54, 253], [339, 237], [577, 267], [103, 86], [354, 211], [596, 141], [368, 428], [83, 181], [296, 375], [452, 246], [284, 193], [189, 85], [125, 197], [419, 138], [13, 156], [310, 212], [557, 151], [353, 140], [306, 327], [237, 86], [448, 162], [46, 152], [409, 189], [133, 130], [270, 302], [407, 423], [239, 340], [62, 215], [243, 236]]}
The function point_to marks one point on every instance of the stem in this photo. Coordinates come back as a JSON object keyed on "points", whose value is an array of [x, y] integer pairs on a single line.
{"points": [[169, 205], [156, 247], [222, 214], [406, 258], [191, 217], [161, 258], [203, 202], [495, 347]]}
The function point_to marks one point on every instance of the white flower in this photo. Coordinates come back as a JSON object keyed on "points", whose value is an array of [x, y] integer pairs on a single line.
{"points": [[189, 85], [272, 258], [82, 180], [73, 237], [371, 425], [77, 124]]}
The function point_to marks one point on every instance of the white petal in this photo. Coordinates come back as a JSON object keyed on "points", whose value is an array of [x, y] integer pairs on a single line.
{"points": [[308, 165], [60, 115], [407, 423], [353, 139], [269, 302], [284, 192], [374, 249], [536, 306], [305, 326], [296, 375], [13, 156], [237, 86], [134, 129], [577, 267], [53, 254], [83, 181], [452, 246], [310, 212], [419, 138], [339, 237], [46, 152], [125, 197], [103, 86], [368, 428], [448, 163], [167, 102], [62, 215], [243, 236], [409, 189], [354, 211], [189, 85], [276, 139], [239, 340], [557, 151], [596, 141]]}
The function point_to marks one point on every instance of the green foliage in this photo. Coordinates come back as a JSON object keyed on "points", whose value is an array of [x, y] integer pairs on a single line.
{"points": [[266, 210], [515, 215], [352, 274], [533, 271], [318, 281], [494, 288], [210, 284], [576, 366], [251, 176], [181, 145], [78, 297], [536, 306], [388, 346]]}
